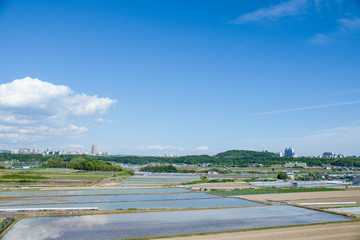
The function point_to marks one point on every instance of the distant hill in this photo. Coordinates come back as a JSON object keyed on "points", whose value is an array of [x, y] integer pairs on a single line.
{"points": [[245, 154], [239, 158]]}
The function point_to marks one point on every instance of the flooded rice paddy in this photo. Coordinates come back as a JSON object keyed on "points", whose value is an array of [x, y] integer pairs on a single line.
{"points": [[351, 210], [280, 184], [92, 192], [135, 225], [120, 226], [114, 202], [159, 179]]}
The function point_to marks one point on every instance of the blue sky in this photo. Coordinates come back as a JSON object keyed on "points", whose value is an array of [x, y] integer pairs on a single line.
{"points": [[183, 77]]}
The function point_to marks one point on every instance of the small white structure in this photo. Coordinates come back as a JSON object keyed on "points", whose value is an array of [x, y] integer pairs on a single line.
{"points": [[290, 174], [295, 164]]}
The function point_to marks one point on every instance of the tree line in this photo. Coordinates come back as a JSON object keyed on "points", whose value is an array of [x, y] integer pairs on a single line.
{"points": [[160, 169], [232, 158], [94, 165]]}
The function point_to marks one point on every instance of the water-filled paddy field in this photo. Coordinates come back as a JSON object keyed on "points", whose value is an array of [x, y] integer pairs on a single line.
{"points": [[119, 226], [351, 210], [92, 192], [243, 214], [309, 184], [114, 202], [159, 179]]}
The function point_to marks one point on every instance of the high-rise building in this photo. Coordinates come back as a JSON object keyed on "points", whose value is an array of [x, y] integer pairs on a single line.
{"points": [[94, 149], [289, 152], [280, 154]]}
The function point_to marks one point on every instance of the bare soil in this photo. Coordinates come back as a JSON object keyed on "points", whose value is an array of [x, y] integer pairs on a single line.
{"points": [[111, 182], [331, 231], [308, 197]]}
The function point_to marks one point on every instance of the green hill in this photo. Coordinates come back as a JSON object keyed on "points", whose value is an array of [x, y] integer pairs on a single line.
{"points": [[245, 154], [239, 158]]}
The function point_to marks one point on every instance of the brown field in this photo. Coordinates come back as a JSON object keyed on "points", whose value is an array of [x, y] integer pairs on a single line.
{"points": [[331, 231], [308, 197]]}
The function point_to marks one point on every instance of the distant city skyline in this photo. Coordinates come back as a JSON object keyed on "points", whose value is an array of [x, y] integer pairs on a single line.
{"points": [[180, 77], [288, 152]]}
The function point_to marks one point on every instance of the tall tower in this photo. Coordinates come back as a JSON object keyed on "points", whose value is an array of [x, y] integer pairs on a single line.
{"points": [[94, 149], [289, 152]]}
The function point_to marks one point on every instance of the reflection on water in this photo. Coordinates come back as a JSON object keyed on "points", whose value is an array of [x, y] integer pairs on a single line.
{"points": [[334, 184], [113, 202], [159, 179], [92, 192], [351, 210], [100, 199], [164, 223]]}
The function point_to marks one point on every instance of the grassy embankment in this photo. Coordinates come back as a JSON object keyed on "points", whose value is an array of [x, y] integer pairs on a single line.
{"points": [[22, 177], [5, 223], [50, 177]]}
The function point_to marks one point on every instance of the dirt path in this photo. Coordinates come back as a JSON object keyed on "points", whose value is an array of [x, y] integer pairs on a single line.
{"points": [[109, 182], [333, 231]]}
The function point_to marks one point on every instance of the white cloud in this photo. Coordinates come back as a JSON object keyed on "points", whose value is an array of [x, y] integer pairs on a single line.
{"points": [[32, 94], [342, 139], [55, 227], [75, 129], [321, 39], [32, 109], [20, 133], [101, 120], [349, 24], [84, 105], [152, 147], [305, 108], [75, 146], [202, 148], [285, 9], [158, 147], [29, 92], [14, 137], [12, 119], [345, 25]]}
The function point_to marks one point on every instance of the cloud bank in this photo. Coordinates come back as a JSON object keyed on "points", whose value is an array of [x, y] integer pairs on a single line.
{"points": [[341, 139], [163, 148], [32, 109], [32, 94]]}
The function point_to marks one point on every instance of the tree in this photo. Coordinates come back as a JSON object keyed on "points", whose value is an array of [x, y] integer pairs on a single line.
{"points": [[282, 175]]}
